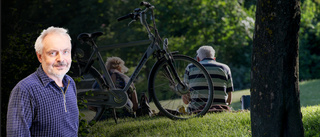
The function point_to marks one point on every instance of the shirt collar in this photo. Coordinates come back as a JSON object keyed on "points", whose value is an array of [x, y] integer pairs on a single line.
{"points": [[207, 59], [46, 80]]}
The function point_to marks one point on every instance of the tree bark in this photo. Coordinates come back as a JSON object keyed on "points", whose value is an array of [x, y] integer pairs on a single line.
{"points": [[275, 103]]}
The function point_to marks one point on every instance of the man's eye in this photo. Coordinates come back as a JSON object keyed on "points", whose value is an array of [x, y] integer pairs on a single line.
{"points": [[52, 53], [66, 52]]}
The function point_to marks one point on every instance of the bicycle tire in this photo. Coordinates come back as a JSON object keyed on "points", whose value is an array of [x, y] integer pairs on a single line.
{"points": [[165, 99], [90, 112]]}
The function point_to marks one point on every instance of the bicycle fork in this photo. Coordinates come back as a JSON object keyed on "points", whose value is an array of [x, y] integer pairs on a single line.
{"points": [[179, 87], [176, 84]]}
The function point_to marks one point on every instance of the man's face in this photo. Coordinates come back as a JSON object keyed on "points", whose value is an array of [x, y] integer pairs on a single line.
{"points": [[56, 55]]}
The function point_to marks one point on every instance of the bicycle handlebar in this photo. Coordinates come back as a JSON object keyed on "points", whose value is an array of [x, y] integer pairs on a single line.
{"points": [[135, 15], [126, 16], [147, 4], [140, 14]]}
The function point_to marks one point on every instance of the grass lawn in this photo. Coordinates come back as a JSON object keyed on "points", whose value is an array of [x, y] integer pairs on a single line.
{"points": [[235, 123], [310, 93], [236, 97], [213, 124]]}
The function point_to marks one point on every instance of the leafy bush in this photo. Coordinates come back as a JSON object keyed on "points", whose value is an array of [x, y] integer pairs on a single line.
{"points": [[311, 121], [18, 60], [309, 67]]}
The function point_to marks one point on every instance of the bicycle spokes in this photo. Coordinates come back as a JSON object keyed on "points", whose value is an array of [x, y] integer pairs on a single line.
{"points": [[169, 90]]}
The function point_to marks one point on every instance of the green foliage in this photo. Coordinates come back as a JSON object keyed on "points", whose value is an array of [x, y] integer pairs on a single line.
{"points": [[226, 25], [311, 121], [17, 62], [84, 127], [309, 67]]}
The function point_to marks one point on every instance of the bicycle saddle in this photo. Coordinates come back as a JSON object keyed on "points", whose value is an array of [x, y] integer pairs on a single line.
{"points": [[84, 37]]}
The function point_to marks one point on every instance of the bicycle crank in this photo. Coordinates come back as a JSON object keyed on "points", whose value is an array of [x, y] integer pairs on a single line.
{"points": [[118, 98]]}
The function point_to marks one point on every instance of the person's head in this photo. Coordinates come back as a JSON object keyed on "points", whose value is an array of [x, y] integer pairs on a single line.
{"points": [[53, 48], [205, 52], [116, 63]]}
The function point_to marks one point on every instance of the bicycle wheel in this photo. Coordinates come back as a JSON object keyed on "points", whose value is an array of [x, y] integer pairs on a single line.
{"points": [[165, 95], [90, 83]]}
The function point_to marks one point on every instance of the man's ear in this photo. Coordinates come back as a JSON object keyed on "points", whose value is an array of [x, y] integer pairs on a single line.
{"points": [[198, 59], [39, 57]]}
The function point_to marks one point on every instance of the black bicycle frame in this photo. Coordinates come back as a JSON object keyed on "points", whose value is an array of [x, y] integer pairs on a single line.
{"points": [[154, 46]]}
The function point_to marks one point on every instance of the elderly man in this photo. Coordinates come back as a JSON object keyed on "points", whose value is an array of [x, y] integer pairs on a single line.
{"points": [[221, 78], [45, 102]]}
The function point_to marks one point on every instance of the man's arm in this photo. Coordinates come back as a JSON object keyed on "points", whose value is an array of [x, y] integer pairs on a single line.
{"points": [[230, 88], [19, 116], [229, 99]]}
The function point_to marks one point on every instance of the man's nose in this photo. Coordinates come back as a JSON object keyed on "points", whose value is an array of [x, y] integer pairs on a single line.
{"points": [[59, 57]]}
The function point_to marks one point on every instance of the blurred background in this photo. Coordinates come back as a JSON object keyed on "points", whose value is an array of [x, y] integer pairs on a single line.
{"points": [[226, 25]]}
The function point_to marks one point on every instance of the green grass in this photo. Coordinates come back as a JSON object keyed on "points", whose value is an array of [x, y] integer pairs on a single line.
{"points": [[235, 123], [213, 124], [236, 96], [310, 92], [222, 124]]}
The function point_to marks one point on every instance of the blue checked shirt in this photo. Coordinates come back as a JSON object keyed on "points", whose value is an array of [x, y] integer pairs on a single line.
{"points": [[39, 107]]}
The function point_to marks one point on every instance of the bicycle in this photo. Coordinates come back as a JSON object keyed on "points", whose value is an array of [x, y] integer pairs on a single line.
{"points": [[166, 83]]}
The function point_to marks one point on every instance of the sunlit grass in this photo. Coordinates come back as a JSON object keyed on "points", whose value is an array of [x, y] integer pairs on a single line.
{"points": [[235, 123], [212, 124], [221, 124], [236, 96], [310, 92]]}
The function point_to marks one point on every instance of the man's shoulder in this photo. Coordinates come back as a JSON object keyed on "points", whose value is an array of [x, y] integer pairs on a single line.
{"points": [[222, 64], [27, 83], [31, 80], [215, 64]]}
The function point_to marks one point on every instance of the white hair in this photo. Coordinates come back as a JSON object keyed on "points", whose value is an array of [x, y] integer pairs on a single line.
{"points": [[206, 52], [116, 63], [39, 46]]}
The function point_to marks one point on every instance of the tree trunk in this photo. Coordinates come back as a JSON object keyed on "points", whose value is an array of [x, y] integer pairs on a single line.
{"points": [[275, 103]]}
